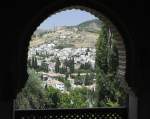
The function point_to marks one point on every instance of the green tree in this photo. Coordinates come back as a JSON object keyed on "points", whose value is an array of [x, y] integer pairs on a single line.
{"points": [[66, 100], [62, 70], [44, 66], [67, 85], [34, 63], [78, 79], [54, 96], [33, 95], [88, 79], [108, 89], [57, 65], [79, 98], [71, 64]]}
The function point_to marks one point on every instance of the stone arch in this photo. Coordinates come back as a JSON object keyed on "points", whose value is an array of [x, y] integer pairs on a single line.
{"points": [[93, 9]]}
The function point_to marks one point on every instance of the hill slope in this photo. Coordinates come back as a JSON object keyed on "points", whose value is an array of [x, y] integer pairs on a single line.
{"points": [[91, 26], [82, 35]]}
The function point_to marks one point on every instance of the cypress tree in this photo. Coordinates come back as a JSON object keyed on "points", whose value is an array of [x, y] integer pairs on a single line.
{"points": [[57, 65], [107, 86]]}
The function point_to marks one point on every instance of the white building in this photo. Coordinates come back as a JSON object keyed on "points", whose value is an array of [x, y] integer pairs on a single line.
{"points": [[56, 84]]}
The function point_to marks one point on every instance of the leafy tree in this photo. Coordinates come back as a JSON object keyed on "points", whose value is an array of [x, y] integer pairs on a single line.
{"points": [[79, 98], [54, 96], [33, 95], [65, 100]]}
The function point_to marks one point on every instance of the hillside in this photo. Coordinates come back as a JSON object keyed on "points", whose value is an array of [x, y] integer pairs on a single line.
{"points": [[90, 26], [82, 35]]}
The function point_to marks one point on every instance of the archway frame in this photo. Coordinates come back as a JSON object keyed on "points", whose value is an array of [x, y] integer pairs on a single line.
{"points": [[100, 11]]}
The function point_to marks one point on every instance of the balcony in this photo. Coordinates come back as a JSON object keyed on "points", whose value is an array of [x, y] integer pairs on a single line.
{"points": [[88, 113]]}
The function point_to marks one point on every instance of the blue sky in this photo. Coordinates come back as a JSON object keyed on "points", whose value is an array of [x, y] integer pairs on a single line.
{"points": [[66, 18]]}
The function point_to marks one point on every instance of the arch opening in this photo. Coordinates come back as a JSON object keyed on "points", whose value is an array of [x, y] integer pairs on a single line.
{"points": [[121, 68]]}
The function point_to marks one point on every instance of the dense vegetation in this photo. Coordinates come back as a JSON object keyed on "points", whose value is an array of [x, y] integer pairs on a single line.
{"points": [[34, 96], [109, 92]]}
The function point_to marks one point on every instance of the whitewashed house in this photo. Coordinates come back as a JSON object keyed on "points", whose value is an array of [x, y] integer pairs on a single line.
{"points": [[56, 84]]}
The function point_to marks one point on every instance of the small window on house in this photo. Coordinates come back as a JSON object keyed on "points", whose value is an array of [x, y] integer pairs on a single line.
{"points": [[72, 63]]}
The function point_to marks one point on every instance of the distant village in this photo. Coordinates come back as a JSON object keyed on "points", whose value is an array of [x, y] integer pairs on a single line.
{"points": [[57, 64], [47, 54]]}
